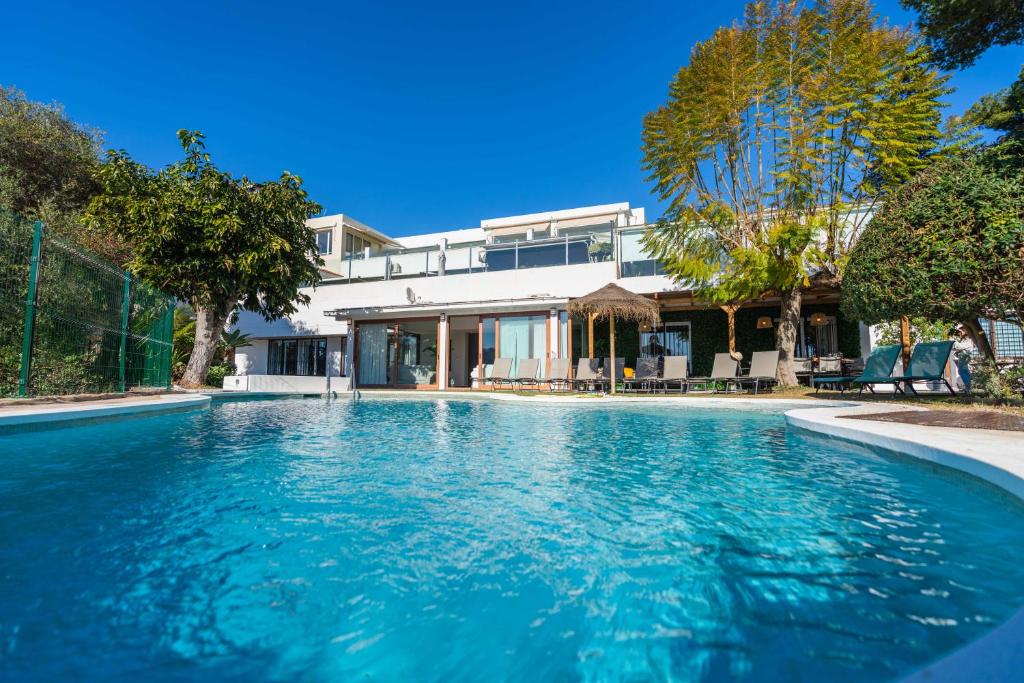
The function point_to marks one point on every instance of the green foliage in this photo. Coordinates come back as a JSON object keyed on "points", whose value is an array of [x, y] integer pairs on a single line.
{"points": [[47, 161], [1003, 112], [988, 381], [48, 167], [949, 245], [778, 136], [960, 30], [921, 330], [215, 377], [235, 339]]}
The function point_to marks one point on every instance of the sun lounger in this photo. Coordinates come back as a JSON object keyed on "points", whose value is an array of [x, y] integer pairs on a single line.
{"points": [[927, 364], [674, 371], [877, 370], [559, 374], [527, 372], [500, 372], [723, 370], [586, 373], [764, 368], [644, 377], [605, 377]]}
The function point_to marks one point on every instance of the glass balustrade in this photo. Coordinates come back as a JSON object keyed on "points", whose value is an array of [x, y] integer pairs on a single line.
{"points": [[579, 247]]}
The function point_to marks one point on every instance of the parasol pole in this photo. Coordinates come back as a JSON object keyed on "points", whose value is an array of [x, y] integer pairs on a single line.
{"points": [[611, 326]]}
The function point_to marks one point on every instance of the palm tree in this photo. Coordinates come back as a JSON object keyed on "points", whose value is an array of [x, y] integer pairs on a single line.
{"points": [[229, 341]]}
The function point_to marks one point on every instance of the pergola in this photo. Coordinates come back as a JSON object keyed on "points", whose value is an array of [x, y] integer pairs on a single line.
{"points": [[612, 301]]}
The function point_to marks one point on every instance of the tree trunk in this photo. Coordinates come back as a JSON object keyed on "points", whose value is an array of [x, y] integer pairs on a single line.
{"points": [[785, 336], [209, 326], [730, 314], [979, 339], [905, 341], [611, 329]]}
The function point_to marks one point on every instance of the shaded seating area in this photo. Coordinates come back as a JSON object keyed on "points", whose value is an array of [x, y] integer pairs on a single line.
{"points": [[611, 302]]}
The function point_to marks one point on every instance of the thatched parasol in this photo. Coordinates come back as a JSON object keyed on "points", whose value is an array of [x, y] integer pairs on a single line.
{"points": [[612, 301]]}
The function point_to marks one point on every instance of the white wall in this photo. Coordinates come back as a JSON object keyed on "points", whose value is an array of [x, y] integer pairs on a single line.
{"points": [[366, 298], [252, 359]]}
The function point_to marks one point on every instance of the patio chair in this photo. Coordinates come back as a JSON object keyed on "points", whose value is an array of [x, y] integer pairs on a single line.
{"points": [[500, 372], [877, 370], [675, 371], [764, 368], [646, 374], [527, 373], [830, 365], [605, 378], [927, 364], [723, 370], [586, 373], [559, 374]]}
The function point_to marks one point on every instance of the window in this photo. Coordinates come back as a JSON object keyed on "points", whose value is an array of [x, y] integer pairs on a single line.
{"points": [[304, 357], [1009, 339], [815, 340], [355, 246], [325, 241], [670, 339]]}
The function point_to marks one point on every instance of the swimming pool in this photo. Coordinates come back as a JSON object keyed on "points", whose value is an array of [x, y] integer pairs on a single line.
{"points": [[394, 539]]}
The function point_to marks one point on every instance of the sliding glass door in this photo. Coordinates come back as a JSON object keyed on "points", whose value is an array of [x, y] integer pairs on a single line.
{"points": [[398, 354]]}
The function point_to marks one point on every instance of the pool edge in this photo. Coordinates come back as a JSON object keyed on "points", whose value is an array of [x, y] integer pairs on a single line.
{"points": [[66, 414], [987, 454]]}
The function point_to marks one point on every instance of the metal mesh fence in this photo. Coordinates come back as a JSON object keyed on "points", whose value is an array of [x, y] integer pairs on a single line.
{"points": [[71, 323]]}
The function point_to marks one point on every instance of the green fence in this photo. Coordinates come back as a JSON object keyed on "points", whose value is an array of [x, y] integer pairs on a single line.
{"points": [[72, 323]]}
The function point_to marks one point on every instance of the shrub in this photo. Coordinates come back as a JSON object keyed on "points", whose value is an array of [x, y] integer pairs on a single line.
{"points": [[215, 377]]}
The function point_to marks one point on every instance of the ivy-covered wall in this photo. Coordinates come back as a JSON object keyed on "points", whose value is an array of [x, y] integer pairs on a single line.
{"points": [[709, 334]]}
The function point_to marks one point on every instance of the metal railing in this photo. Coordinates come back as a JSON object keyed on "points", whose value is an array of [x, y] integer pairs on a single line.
{"points": [[72, 323]]}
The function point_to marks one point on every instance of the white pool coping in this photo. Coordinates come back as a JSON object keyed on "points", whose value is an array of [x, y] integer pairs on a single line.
{"points": [[996, 457], [54, 413]]}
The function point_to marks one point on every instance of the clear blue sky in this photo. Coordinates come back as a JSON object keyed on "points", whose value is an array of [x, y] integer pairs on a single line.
{"points": [[410, 116]]}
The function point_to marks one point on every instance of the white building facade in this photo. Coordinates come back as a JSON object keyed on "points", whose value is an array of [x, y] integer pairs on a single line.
{"points": [[433, 311]]}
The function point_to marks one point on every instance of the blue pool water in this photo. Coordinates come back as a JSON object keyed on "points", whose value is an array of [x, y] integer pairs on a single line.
{"points": [[469, 540]]}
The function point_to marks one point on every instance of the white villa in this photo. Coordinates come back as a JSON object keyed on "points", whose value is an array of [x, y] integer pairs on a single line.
{"points": [[432, 311]]}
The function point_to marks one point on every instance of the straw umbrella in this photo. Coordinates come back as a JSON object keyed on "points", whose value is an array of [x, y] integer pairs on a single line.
{"points": [[612, 301]]}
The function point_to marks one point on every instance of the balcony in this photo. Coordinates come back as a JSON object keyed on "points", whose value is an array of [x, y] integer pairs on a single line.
{"points": [[589, 247]]}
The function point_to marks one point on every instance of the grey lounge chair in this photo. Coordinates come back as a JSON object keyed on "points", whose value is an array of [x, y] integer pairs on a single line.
{"points": [[606, 377], [527, 372], [764, 368], [927, 364], [644, 377], [586, 373], [500, 372], [675, 371], [877, 370], [559, 374], [723, 370]]}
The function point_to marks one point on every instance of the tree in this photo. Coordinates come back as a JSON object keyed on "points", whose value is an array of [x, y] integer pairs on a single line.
{"points": [[210, 239], [960, 30], [48, 164], [949, 245], [46, 159], [775, 144]]}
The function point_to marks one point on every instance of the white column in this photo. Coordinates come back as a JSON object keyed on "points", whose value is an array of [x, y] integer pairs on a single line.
{"points": [[442, 354], [552, 337], [350, 353]]}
